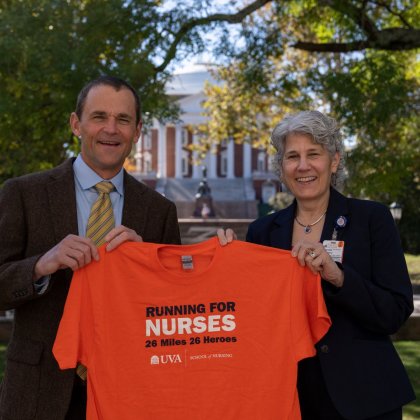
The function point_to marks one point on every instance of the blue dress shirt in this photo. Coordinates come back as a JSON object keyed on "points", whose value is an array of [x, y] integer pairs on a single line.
{"points": [[85, 180]]}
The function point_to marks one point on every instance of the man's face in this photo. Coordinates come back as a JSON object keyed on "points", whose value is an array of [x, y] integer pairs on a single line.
{"points": [[107, 129]]}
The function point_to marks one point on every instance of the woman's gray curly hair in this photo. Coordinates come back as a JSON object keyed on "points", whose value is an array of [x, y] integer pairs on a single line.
{"points": [[324, 130]]}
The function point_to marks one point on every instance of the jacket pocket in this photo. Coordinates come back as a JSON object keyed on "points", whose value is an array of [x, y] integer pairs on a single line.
{"points": [[20, 387]]}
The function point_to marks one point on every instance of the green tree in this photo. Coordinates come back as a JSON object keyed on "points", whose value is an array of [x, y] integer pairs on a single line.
{"points": [[374, 93], [376, 99], [48, 50], [349, 57]]}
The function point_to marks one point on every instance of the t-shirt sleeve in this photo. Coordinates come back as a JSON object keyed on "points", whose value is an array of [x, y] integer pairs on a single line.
{"points": [[75, 329], [310, 319]]}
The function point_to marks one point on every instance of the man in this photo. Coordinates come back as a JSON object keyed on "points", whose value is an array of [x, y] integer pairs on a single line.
{"points": [[43, 224]]}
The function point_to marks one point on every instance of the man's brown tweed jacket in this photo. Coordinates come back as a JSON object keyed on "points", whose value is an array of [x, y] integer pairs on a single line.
{"points": [[36, 212]]}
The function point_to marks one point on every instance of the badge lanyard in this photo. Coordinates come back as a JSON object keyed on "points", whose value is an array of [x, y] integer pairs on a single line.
{"points": [[340, 223], [334, 247]]}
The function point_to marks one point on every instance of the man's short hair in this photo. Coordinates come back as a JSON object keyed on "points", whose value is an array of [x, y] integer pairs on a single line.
{"points": [[116, 83]]}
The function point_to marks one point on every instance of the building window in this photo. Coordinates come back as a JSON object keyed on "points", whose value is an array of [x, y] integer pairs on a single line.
{"points": [[147, 163], [184, 163], [147, 141], [261, 163], [184, 137], [223, 163], [270, 163]]}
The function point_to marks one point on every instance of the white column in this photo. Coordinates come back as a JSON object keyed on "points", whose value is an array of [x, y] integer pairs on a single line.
{"points": [[212, 162], [247, 160], [138, 155], [161, 172], [178, 152], [196, 169], [230, 159]]}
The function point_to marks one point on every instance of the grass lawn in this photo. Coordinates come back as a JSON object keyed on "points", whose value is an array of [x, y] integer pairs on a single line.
{"points": [[409, 352], [413, 263]]}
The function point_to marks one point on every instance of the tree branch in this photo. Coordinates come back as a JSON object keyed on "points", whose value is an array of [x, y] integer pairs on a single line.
{"points": [[358, 16], [217, 17], [392, 39], [331, 46], [392, 12]]}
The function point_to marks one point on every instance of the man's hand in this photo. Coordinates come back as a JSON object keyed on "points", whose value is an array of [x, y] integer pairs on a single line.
{"points": [[225, 236], [119, 235], [72, 252]]}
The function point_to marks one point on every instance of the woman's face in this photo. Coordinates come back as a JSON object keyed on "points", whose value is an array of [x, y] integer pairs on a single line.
{"points": [[307, 167]]}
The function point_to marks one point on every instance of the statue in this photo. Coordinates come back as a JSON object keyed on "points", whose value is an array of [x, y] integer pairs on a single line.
{"points": [[203, 199]]}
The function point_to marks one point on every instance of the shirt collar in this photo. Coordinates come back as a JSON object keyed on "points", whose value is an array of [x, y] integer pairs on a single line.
{"points": [[88, 178]]}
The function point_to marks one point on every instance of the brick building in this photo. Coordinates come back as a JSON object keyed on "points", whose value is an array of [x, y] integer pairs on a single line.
{"points": [[236, 173]]}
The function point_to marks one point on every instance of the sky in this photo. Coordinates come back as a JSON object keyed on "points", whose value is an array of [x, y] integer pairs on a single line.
{"points": [[198, 62]]}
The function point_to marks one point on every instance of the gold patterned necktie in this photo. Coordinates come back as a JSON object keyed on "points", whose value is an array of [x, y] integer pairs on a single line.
{"points": [[100, 222], [101, 218]]}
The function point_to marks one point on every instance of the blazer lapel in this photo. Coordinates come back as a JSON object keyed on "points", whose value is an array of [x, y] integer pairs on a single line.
{"points": [[62, 199], [135, 209], [337, 207], [281, 235]]}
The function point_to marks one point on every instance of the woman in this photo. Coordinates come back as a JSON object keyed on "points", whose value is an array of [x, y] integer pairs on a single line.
{"points": [[357, 373]]}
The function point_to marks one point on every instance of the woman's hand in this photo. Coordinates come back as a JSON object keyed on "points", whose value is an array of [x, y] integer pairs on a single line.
{"points": [[314, 256], [225, 236]]}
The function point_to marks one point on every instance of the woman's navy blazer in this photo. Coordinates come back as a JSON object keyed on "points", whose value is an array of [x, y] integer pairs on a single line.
{"points": [[362, 370]]}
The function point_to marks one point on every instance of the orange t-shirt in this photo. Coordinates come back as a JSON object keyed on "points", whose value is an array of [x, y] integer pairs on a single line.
{"points": [[192, 332]]}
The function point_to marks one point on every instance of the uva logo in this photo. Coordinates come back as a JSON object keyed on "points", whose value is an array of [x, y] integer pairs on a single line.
{"points": [[164, 359]]}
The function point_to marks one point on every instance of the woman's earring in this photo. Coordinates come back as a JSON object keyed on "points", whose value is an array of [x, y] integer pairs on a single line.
{"points": [[334, 179]]}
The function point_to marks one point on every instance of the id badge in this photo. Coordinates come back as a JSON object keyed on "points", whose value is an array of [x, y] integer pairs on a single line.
{"points": [[335, 250]]}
